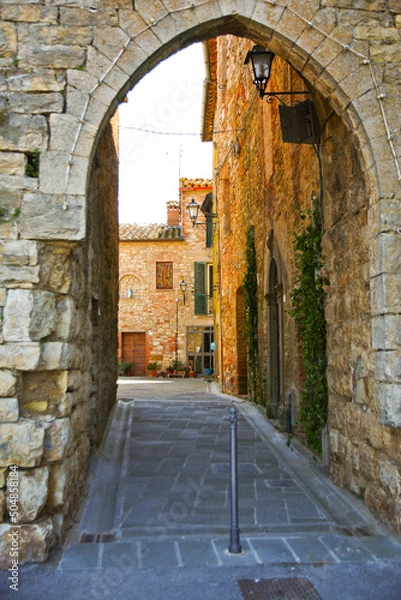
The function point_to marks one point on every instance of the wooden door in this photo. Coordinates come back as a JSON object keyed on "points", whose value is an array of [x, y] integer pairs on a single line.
{"points": [[134, 350]]}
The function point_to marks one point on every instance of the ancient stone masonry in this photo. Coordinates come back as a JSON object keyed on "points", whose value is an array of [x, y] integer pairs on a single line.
{"points": [[65, 66]]}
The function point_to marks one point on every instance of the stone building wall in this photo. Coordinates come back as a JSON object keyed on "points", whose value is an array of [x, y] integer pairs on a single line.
{"points": [[154, 311], [266, 183], [61, 387], [64, 68]]}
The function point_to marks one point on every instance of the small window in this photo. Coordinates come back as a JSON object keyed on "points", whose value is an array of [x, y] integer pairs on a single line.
{"points": [[164, 275]]}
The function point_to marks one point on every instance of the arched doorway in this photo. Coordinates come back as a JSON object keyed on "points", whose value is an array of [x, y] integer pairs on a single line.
{"points": [[56, 226]]}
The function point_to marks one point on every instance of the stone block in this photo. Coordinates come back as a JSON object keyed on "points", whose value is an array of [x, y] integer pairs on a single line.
{"points": [[29, 315], [389, 477], [36, 103], [52, 216], [44, 81], [18, 252], [43, 392], [3, 505], [53, 356], [384, 217], [9, 410], [63, 131], [34, 541], [55, 271], [388, 367], [150, 12], [68, 318], [8, 40], [109, 41], [24, 133], [22, 357], [53, 170], [12, 163], [388, 404], [8, 384], [385, 293], [386, 253], [3, 477], [367, 461], [133, 58], [371, 430], [386, 332], [21, 444], [57, 438], [67, 478], [56, 56], [32, 493], [19, 277]]}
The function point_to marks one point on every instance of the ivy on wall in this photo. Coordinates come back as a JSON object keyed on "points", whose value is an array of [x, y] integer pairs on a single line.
{"points": [[308, 311], [251, 312]]}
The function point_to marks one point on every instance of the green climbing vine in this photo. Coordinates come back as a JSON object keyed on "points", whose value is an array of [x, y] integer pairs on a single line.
{"points": [[308, 311], [251, 312], [32, 165]]}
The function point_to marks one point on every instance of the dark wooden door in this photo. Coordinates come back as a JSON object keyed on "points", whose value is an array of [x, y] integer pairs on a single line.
{"points": [[134, 350]]}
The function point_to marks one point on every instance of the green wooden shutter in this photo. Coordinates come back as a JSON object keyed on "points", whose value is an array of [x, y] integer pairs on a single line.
{"points": [[200, 307]]}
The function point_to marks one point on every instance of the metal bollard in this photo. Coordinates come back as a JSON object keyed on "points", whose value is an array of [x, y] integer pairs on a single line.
{"points": [[235, 546]]}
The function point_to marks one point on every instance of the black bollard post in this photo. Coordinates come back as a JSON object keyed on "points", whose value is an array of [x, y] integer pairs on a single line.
{"points": [[235, 546]]}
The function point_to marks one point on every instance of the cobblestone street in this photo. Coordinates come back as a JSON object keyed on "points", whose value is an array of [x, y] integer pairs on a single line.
{"points": [[158, 502]]}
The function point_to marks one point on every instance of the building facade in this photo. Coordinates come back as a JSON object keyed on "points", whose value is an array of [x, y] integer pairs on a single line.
{"points": [[166, 282], [311, 352]]}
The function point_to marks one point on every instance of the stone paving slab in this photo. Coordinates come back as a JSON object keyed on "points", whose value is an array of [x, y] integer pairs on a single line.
{"points": [[162, 489], [192, 551]]}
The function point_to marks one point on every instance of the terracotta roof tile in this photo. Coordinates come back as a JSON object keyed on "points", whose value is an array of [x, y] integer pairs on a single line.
{"points": [[154, 231]]}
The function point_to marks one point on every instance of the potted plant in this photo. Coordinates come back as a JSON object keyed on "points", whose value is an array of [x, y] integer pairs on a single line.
{"points": [[124, 367], [152, 367], [178, 366]]}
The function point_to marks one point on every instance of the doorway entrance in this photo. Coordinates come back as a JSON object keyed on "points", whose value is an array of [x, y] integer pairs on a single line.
{"points": [[200, 350], [134, 351]]}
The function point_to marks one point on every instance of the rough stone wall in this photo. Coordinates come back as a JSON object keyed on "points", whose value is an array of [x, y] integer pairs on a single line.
{"points": [[55, 366], [64, 67], [151, 310], [264, 182], [102, 256]]}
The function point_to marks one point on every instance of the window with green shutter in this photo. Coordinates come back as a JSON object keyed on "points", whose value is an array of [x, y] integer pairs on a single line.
{"points": [[200, 291]]}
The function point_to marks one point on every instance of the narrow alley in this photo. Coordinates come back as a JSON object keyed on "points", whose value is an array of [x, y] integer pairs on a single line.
{"points": [[156, 518]]}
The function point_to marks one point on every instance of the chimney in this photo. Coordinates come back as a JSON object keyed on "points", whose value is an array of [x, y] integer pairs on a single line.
{"points": [[173, 213]]}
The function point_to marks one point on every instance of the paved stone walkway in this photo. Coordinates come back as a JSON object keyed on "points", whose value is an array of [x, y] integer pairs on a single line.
{"points": [[159, 493]]}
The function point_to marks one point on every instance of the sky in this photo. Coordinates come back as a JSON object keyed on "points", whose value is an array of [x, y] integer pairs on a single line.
{"points": [[168, 100]]}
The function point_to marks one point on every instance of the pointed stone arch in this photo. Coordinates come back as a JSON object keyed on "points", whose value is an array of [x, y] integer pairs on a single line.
{"points": [[115, 50]]}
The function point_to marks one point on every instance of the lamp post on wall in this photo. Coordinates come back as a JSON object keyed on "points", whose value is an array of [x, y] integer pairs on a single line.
{"points": [[183, 290], [261, 61], [193, 210]]}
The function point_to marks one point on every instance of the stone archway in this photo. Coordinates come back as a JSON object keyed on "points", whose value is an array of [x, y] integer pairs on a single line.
{"points": [[66, 70]]}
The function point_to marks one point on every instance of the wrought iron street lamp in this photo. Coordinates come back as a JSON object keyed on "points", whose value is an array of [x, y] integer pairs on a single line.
{"points": [[261, 61], [193, 210]]}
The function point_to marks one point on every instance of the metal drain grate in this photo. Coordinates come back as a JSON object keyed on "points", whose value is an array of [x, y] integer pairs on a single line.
{"points": [[242, 468], [298, 588], [97, 538], [281, 483]]}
